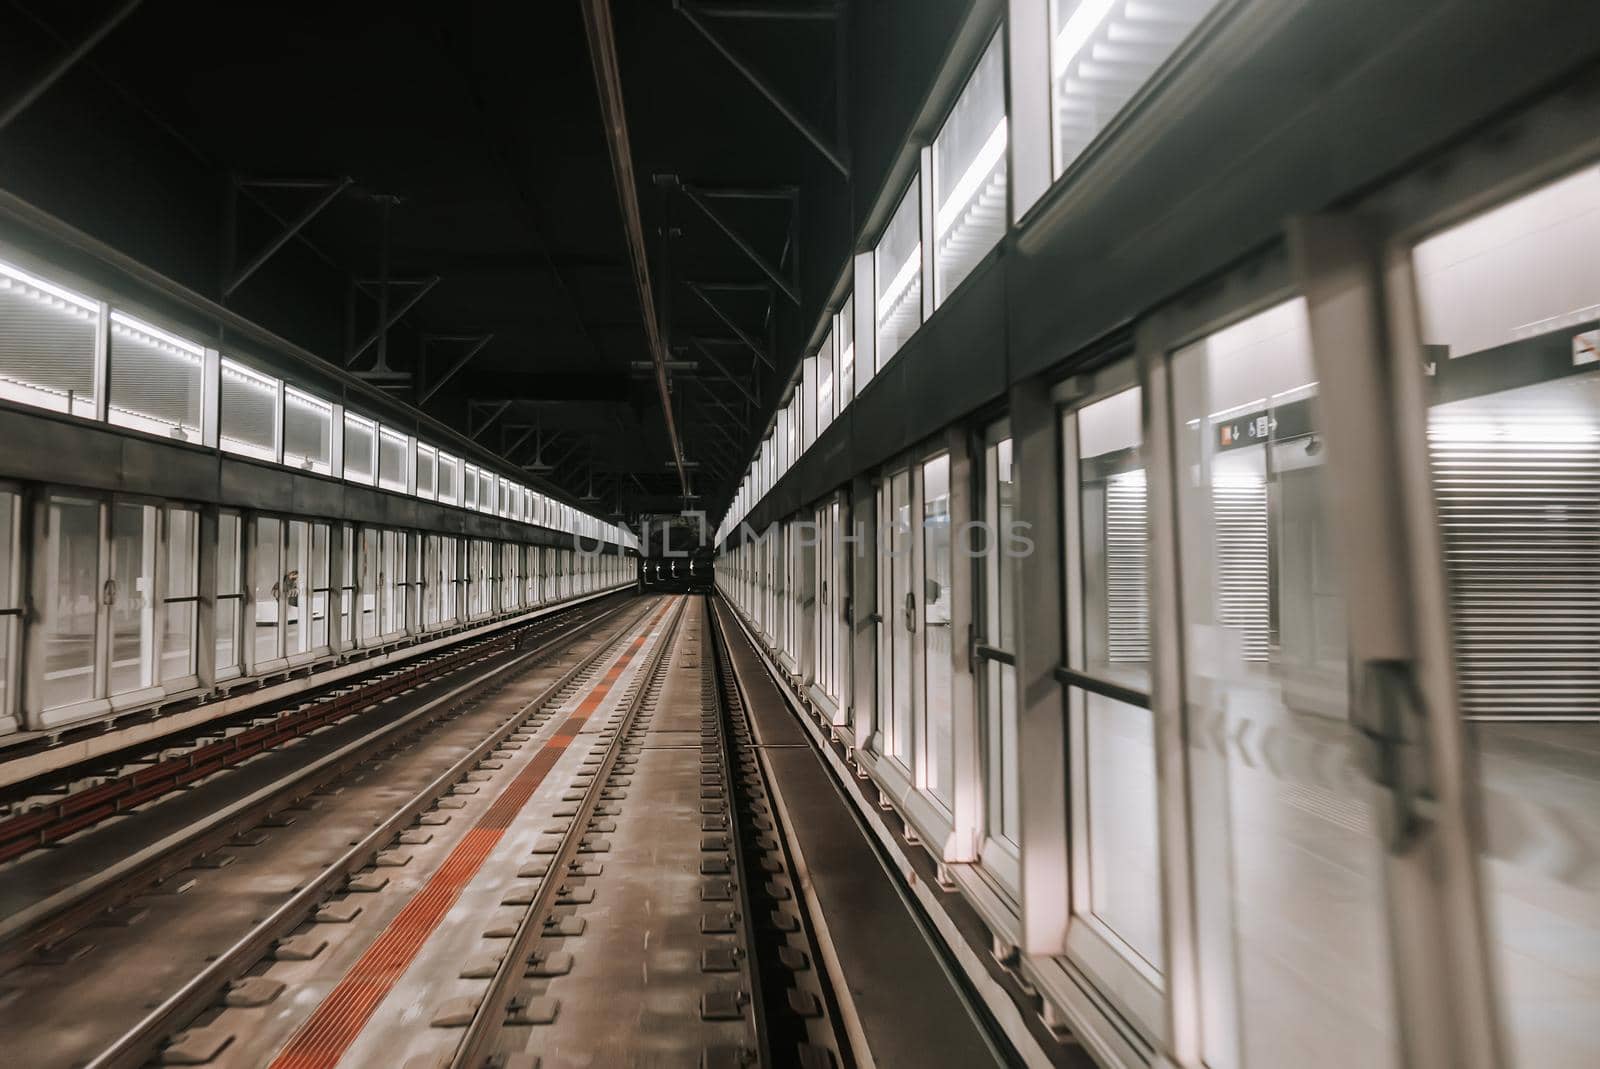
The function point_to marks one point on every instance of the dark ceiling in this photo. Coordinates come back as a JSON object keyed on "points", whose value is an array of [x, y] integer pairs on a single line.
{"points": [[474, 129]]}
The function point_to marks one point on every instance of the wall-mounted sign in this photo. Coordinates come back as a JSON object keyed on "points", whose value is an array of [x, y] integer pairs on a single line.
{"points": [[1289, 420]]}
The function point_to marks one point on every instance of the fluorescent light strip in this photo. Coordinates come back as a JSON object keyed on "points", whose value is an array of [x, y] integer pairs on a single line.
{"points": [[1076, 31], [975, 176], [305, 400], [16, 274], [242, 374], [154, 335], [898, 285]]}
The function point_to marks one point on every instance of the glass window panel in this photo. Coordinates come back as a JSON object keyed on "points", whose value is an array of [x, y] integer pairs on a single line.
{"points": [[155, 380], [133, 601], [1124, 865], [1113, 542], [1510, 310], [485, 490], [249, 412], [268, 583], [449, 478], [847, 351], [469, 487], [229, 598], [72, 558], [183, 578], [969, 175], [1102, 52], [47, 344], [394, 451], [360, 449], [897, 266], [307, 432], [1282, 846], [826, 358], [427, 464], [939, 749]]}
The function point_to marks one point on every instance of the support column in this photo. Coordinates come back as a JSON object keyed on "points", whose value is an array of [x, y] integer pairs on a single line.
{"points": [[1041, 714]]}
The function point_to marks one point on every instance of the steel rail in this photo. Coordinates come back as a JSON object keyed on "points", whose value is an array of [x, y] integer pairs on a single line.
{"points": [[490, 1017], [139, 1044]]}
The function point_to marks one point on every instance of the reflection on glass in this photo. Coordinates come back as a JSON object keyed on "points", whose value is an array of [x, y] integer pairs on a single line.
{"points": [[1510, 301], [940, 773], [969, 175], [133, 600], [902, 611], [1102, 53], [1289, 872], [897, 265]]}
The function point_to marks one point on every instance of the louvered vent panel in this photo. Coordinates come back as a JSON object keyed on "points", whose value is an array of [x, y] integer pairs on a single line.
{"points": [[1239, 507], [1521, 530], [1127, 561]]}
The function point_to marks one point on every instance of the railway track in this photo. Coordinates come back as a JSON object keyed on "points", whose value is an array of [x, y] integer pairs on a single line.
{"points": [[158, 936], [600, 878]]}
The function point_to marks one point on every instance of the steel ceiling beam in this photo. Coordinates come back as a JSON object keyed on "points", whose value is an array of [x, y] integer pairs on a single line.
{"points": [[69, 59], [393, 315], [498, 411], [722, 368], [698, 199], [476, 342], [608, 84], [786, 12], [330, 192], [692, 13], [728, 321]]}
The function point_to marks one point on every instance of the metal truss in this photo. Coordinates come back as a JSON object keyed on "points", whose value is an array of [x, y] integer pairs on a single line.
{"points": [[68, 60], [697, 15]]}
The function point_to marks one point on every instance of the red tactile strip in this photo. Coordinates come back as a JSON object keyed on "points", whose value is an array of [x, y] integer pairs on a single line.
{"points": [[323, 1039]]}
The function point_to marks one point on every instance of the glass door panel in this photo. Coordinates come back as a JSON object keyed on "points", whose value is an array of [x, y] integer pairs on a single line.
{"points": [[132, 598], [901, 612], [1288, 868], [1510, 311], [938, 749], [1114, 790], [72, 560], [268, 583], [999, 670]]}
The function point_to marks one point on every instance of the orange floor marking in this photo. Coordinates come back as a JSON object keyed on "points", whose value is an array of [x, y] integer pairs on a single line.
{"points": [[337, 1022]]}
